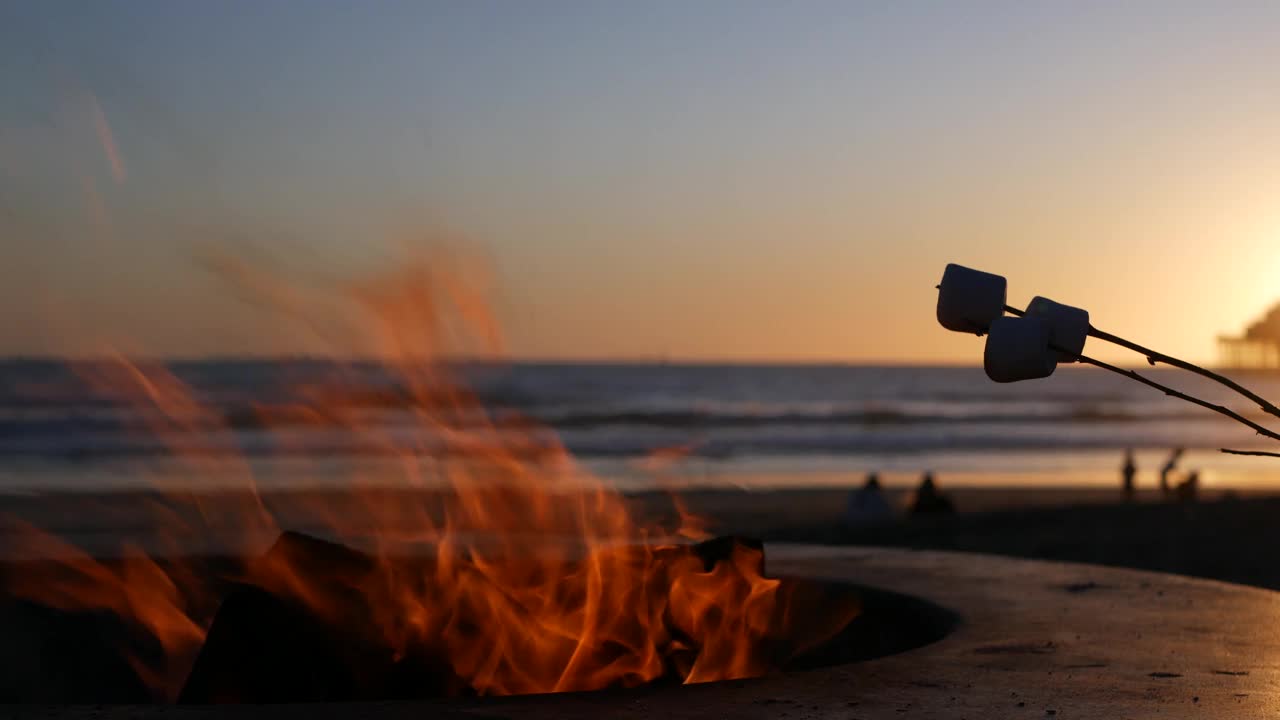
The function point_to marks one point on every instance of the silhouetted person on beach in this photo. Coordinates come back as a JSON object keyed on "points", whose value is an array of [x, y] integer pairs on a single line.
{"points": [[1169, 466], [867, 505], [928, 501], [1127, 472], [1189, 489]]}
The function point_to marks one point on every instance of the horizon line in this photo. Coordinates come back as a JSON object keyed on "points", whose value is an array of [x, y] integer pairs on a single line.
{"points": [[48, 358]]}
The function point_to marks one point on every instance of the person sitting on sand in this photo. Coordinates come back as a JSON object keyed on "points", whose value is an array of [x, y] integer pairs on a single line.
{"points": [[1169, 466], [928, 501], [1188, 489], [1127, 473], [867, 505]]}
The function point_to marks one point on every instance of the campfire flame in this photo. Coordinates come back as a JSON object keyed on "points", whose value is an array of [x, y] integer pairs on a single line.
{"points": [[542, 580]]}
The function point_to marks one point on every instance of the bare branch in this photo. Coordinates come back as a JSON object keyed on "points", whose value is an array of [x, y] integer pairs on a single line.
{"points": [[1154, 357], [1222, 410], [1248, 452]]}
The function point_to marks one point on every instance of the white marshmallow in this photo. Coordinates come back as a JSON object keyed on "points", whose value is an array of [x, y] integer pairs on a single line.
{"points": [[968, 300], [1068, 326], [1018, 349]]}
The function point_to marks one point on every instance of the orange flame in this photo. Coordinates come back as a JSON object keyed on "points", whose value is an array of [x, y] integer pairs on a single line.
{"points": [[541, 581]]}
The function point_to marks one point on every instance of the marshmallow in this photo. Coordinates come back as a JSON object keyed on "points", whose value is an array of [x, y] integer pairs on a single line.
{"points": [[968, 300], [1068, 326], [1018, 349]]}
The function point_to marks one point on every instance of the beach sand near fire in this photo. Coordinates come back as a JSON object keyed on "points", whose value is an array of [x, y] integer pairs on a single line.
{"points": [[1226, 536]]}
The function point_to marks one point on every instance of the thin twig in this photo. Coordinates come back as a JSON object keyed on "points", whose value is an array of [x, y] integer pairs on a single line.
{"points": [[1222, 410], [1248, 452], [1154, 357]]}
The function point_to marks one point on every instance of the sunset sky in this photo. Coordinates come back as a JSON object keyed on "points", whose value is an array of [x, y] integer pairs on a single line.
{"points": [[703, 180]]}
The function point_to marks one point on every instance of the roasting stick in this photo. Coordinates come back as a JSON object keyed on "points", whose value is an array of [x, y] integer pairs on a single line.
{"points": [[1220, 409], [1154, 357], [1180, 395], [1261, 453]]}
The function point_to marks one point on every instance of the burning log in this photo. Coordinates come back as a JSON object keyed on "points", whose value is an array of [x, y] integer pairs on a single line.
{"points": [[61, 656], [304, 633], [304, 627], [264, 649], [720, 549]]}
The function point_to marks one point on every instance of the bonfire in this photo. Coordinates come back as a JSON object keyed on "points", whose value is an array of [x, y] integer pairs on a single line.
{"points": [[484, 561]]}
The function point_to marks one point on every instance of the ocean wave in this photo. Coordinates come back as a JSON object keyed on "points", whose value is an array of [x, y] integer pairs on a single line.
{"points": [[697, 419], [602, 440], [89, 450], [261, 409], [298, 417]]}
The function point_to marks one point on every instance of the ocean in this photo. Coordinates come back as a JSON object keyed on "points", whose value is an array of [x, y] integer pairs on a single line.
{"points": [[749, 426]]}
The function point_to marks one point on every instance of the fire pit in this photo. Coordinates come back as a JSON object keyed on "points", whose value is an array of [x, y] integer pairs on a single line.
{"points": [[309, 621], [1034, 639]]}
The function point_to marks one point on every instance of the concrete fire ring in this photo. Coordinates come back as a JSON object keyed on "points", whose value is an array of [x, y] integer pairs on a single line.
{"points": [[1037, 640]]}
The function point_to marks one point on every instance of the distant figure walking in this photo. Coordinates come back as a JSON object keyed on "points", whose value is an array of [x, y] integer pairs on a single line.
{"points": [[1169, 466], [867, 505], [1127, 472], [928, 501], [1189, 489]]}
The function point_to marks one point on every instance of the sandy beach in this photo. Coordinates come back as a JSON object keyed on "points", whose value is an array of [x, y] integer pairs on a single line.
{"points": [[1225, 536]]}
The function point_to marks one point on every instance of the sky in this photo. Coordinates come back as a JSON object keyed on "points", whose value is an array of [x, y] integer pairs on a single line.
{"points": [[715, 180]]}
